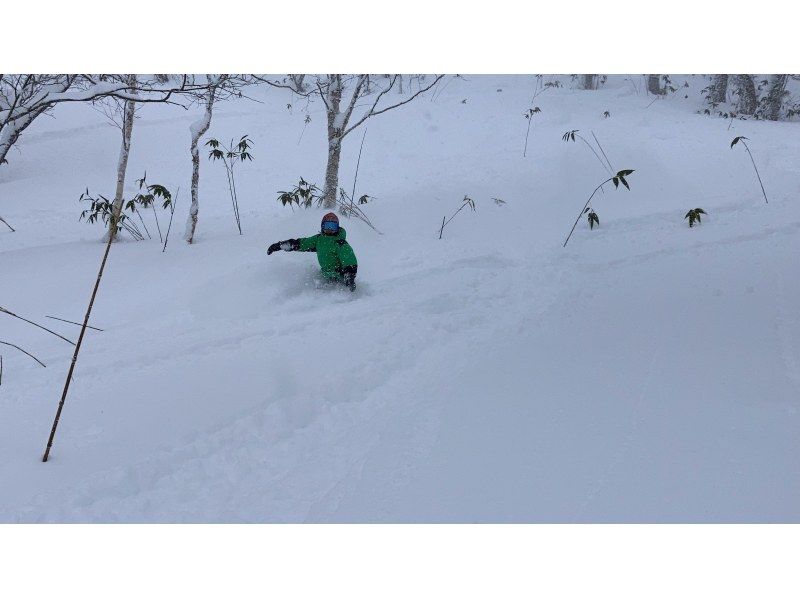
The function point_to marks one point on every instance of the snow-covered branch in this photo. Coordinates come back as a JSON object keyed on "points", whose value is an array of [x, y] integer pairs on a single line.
{"points": [[23, 98]]}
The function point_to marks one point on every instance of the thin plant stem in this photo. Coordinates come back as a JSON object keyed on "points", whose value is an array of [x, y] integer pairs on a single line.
{"points": [[436, 96], [756, 169], [464, 205], [603, 152], [232, 189], [586, 205], [76, 323], [358, 212], [538, 93], [158, 226], [596, 155], [171, 214], [143, 224], [525, 151], [236, 201], [228, 171], [302, 132], [12, 314], [7, 224], [133, 230], [24, 351], [358, 163], [235, 196], [77, 350]]}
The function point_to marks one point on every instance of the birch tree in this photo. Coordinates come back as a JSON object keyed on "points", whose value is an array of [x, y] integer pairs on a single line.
{"points": [[773, 102], [197, 130], [589, 82], [128, 110], [654, 85], [122, 113], [339, 94], [218, 87], [746, 90], [24, 98], [718, 91]]}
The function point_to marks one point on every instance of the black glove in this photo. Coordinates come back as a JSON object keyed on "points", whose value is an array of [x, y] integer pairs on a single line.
{"points": [[288, 245], [349, 274]]}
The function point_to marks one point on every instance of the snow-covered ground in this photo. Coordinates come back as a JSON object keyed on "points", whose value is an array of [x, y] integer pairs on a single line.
{"points": [[646, 372]]}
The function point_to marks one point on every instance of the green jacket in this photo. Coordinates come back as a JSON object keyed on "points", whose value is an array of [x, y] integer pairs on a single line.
{"points": [[333, 252]]}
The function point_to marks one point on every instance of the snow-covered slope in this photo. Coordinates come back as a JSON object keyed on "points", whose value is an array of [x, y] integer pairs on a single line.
{"points": [[646, 372]]}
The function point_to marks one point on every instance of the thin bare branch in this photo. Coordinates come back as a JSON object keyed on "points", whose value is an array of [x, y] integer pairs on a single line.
{"points": [[372, 108], [353, 99], [76, 323], [290, 86], [12, 314], [372, 112], [24, 351], [322, 95]]}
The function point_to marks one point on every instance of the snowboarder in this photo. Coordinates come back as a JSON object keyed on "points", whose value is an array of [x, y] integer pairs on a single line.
{"points": [[335, 256]]}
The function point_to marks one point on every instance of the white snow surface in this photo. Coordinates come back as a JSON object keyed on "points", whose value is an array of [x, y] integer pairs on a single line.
{"points": [[648, 372]]}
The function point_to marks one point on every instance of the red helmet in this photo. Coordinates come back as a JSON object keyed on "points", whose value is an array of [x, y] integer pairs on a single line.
{"points": [[330, 223]]}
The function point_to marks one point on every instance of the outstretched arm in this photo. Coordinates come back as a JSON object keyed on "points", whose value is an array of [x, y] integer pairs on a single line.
{"points": [[303, 244], [288, 245]]}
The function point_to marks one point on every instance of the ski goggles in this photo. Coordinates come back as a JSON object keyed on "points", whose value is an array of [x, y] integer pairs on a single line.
{"points": [[329, 226]]}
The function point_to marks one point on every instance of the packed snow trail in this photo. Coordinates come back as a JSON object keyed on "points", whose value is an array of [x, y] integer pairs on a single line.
{"points": [[647, 372]]}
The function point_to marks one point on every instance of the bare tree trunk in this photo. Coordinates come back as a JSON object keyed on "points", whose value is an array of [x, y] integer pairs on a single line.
{"points": [[654, 85], [198, 129], [746, 89], [335, 127], [339, 125], [719, 89], [122, 164], [774, 101], [332, 173], [588, 82]]}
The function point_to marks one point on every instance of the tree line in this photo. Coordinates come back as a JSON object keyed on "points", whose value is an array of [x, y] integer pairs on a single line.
{"points": [[24, 98]]}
